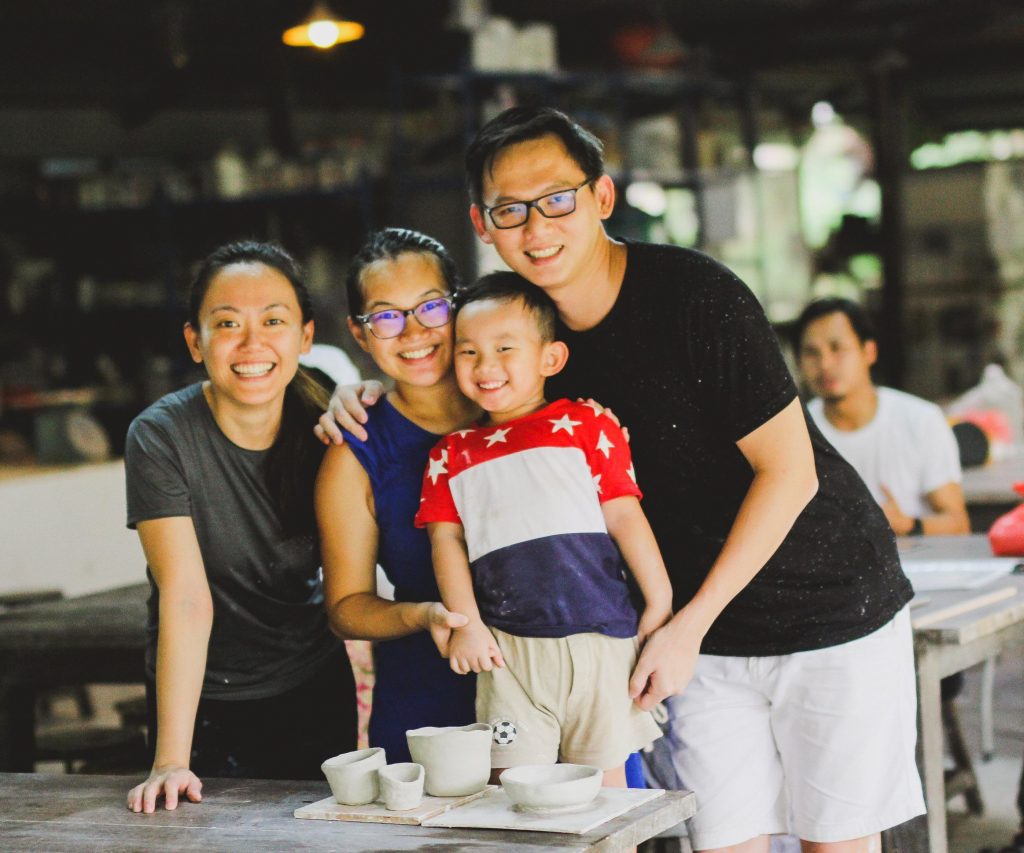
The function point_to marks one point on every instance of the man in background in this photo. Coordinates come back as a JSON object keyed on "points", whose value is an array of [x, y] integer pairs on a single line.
{"points": [[901, 445]]}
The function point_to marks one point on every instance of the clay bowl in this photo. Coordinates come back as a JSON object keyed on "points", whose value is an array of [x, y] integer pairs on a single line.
{"points": [[551, 787], [457, 759]]}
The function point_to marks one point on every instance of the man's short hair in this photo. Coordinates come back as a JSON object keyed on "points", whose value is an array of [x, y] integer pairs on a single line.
{"points": [[522, 124], [506, 286], [863, 328]]}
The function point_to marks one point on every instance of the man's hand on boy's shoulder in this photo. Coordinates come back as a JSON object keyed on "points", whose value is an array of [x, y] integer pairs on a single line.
{"points": [[347, 410], [604, 410]]}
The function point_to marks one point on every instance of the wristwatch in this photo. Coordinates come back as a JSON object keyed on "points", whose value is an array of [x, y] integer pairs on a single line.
{"points": [[917, 528]]}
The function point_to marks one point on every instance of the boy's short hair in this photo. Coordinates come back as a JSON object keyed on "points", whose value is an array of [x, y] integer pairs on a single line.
{"points": [[863, 328], [522, 124], [506, 286]]}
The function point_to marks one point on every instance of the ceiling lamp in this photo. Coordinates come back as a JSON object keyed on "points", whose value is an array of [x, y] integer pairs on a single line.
{"points": [[323, 29]]}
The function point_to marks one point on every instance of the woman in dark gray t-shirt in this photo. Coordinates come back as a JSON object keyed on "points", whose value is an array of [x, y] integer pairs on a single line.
{"points": [[244, 676]]}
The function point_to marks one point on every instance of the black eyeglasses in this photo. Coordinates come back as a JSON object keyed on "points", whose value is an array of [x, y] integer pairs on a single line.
{"points": [[512, 214], [390, 322]]}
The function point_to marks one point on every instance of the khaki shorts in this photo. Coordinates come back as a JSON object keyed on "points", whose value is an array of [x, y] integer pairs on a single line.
{"points": [[563, 699]]}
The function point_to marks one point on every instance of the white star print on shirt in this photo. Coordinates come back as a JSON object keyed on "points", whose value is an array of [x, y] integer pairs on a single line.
{"points": [[498, 436], [462, 433], [597, 482], [437, 467], [604, 444], [564, 422], [592, 404], [631, 472]]}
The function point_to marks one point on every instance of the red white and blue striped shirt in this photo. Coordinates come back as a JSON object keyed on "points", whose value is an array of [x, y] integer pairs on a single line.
{"points": [[528, 493]]}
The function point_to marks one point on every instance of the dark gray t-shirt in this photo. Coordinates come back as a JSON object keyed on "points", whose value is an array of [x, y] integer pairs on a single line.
{"points": [[269, 625]]}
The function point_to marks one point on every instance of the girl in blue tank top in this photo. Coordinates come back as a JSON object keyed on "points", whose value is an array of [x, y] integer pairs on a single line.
{"points": [[367, 493]]}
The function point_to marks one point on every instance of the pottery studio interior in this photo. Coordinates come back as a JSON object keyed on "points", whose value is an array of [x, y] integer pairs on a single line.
{"points": [[850, 175]]}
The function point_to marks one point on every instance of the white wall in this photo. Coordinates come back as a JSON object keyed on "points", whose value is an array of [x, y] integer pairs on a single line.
{"points": [[66, 529]]}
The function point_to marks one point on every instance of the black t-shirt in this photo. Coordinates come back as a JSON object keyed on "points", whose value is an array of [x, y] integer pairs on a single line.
{"points": [[689, 362], [270, 629]]}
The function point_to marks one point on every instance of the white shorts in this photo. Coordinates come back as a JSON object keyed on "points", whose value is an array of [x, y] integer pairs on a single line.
{"points": [[824, 737]]}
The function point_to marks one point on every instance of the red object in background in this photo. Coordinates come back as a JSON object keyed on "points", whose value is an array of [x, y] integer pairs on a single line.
{"points": [[648, 46], [994, 423], [1006, 535]]}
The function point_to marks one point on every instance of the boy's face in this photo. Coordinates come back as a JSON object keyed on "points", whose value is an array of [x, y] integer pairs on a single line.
{"points": [[550, 253], [501, 361]]}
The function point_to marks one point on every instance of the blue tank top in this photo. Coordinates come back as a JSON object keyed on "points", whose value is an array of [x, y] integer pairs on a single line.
{"points": [[414, 685]]}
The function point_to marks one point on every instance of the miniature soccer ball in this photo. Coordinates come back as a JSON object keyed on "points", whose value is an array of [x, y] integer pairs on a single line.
{"points": [[504, 732]]}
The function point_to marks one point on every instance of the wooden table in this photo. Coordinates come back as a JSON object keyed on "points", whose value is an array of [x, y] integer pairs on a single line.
{"points": [[52, 812], [89, 639], [945, 644]]}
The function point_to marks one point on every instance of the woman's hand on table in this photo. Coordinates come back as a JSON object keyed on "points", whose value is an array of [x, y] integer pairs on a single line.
{"points": [[347, 410], [441, 621], [171, 782]]}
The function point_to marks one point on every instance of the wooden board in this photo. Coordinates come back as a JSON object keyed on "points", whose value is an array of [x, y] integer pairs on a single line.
{"points": [[329, 809], [494, 810], [974, 602]]}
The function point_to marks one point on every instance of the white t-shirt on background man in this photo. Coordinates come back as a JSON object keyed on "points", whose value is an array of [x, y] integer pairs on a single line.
{"points": [[908, 447]]}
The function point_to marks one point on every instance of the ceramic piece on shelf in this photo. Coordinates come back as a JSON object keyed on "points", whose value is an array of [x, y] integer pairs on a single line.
{"points": [[551, 787], [353, 775], [401, 786], [456, 759]]}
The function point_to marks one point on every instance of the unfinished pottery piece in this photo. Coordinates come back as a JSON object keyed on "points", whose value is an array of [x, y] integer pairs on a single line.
{"points": [[401, 786], [551, 787], [353, 775], [456, 759]]}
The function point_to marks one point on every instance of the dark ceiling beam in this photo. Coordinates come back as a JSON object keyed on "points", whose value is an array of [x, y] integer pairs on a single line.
{"points": [[114, 54], [994, 116]]}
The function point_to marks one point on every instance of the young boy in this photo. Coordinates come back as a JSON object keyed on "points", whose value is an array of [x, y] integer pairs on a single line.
{"points": [[524, 515]]}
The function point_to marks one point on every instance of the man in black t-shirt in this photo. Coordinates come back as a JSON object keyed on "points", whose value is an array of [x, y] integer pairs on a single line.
{"points": [[776, 550], [787, 670]]}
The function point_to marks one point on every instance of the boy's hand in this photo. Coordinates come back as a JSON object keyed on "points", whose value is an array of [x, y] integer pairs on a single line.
{"points": [[650, 621], [473, 649], [441, 622], [347, 407]]}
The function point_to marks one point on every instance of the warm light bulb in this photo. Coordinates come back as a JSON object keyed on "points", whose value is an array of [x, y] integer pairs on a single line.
{"points": [[323, 34], [322, 29]]}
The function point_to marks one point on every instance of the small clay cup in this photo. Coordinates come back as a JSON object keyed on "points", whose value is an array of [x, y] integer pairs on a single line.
{"points": [[353, 775], [401, 786]]}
